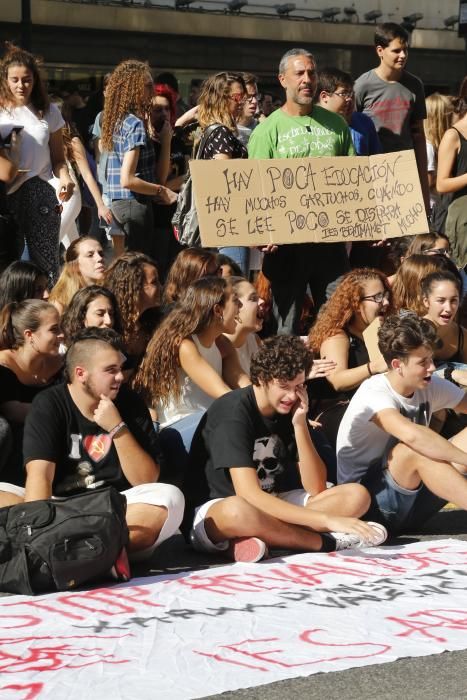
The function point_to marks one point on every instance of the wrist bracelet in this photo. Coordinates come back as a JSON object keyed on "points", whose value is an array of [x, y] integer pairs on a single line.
{"points": [[370, 373], [112, 433]]}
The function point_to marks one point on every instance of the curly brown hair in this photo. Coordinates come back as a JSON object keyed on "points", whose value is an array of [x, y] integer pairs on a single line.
{"points": [[338, 312], [190, 265], [125, 278], [214, 98], [157, 377], [125, 93], [16, 56], [280, 357]]}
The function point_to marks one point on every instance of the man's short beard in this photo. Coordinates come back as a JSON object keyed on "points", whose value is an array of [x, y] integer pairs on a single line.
{"points": [[90, 391]]}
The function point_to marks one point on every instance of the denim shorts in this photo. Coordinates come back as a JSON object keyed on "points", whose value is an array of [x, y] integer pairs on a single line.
{"points": [[391, 504]]}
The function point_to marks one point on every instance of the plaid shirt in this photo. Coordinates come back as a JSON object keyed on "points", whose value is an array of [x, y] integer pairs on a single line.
{"points": [[131, 134]]}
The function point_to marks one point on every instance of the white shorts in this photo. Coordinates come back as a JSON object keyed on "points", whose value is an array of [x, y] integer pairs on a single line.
{"points": [[164, 495], [198, 535]]}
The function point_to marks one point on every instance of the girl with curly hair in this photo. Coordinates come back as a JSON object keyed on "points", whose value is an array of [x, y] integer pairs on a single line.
{"points": [[24, 104], [134, 281], [131, 164], [362, 296], [84, 265], [93, 306], [190, 265], [188, 362]]}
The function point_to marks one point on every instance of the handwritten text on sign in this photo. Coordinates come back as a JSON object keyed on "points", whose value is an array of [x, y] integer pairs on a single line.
{"points": [[255, 202]]}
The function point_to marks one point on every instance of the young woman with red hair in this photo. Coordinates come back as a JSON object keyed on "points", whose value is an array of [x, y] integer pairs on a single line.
{"points": [[361, 296]]}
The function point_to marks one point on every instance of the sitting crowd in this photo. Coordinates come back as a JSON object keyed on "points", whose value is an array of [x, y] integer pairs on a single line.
{"points": [[180, 400], [247, 409]]}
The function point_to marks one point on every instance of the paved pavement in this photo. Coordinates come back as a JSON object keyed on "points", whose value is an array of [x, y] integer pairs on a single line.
{"points": [[441, 676]]}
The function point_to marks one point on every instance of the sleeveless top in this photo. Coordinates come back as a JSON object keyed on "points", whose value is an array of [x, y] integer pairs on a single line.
{"points": [[246, 351], [457, 356], [460, 166], [320, 388], [192, 398]]}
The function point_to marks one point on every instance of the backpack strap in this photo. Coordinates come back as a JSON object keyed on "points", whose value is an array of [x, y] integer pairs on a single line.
{"points": [[204, 139]]}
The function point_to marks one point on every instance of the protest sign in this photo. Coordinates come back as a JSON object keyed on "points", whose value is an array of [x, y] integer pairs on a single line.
{"points": [[308, 200]]}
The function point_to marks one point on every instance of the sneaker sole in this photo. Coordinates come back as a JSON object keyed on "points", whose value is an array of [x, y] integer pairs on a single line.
{"points": [[248, 550]]}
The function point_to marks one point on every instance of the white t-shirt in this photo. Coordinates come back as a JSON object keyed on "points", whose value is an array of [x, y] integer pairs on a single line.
{"points": [[361, 444], [34, 141]]}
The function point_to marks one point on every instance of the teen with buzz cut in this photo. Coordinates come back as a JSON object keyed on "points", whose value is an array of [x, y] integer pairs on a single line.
{"points": [[92, 432], [257, 480], [384, 440]]}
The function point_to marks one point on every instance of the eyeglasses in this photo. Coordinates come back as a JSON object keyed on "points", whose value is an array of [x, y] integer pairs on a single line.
{"points": [[238, 97], [344, 95], [256, 96], [377, 298]]}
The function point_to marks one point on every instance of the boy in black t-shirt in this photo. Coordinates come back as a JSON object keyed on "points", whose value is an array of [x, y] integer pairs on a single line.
{"points": [[92, 432], [265, 482]]}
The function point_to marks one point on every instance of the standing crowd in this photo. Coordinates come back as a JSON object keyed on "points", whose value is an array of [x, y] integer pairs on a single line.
{"points": [[229, 393]]}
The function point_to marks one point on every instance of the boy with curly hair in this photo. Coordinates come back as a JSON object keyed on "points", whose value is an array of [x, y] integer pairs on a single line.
{"points": [[256, 478], [384, 440]]}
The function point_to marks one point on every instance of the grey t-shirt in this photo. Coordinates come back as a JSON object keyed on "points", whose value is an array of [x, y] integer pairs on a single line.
{"points": [[393, 107]]}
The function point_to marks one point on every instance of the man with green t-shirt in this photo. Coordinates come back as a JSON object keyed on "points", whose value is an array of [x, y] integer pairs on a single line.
{"points": [[301, 129]]}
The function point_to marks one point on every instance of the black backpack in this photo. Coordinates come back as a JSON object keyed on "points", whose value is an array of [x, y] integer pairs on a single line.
{"points": [[61, 543], [185, 219]]}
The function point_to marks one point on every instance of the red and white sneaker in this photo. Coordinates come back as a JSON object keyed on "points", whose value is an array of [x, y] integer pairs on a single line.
{"points": [[120, 571], [247, 549]]}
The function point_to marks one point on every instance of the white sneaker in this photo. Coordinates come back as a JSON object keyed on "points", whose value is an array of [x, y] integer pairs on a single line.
{"points": [[347, 540]]}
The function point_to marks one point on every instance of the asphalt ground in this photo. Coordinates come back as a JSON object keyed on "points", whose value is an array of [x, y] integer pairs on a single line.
{"points": [[437, 677]]}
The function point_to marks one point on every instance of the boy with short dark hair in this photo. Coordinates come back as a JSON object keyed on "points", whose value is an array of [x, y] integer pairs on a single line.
{"points": [[395, 99], [335, 92], [384, 440], [93, 432], [265, 483]]}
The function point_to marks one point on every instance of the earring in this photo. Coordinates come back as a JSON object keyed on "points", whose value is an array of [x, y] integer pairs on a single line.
{"points": [[221, 318]]}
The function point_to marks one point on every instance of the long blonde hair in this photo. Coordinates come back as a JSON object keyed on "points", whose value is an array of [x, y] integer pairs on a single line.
{"points": [[439, 111]]}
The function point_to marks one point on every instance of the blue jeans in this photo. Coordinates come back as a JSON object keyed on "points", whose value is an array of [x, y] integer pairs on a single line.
{"points": [[175, 442], [240, 255]]}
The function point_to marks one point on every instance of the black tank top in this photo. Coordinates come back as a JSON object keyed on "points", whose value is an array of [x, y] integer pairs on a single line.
{"points": [[460, 166]]}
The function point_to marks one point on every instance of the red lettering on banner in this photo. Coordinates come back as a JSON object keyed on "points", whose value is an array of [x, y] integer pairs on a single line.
{"points": [[33, 690], [119, 600], [53, 656], [423, 621], [264, 656], [29, 621]]}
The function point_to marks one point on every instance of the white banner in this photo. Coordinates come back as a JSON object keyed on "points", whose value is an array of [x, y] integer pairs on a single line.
{"points": [[200, 633]]}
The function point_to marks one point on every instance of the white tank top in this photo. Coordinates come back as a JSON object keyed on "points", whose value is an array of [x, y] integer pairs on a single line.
{"points": [[192, 398], [246, 351]]}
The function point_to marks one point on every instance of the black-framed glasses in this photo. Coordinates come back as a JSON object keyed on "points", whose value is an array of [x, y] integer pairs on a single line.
{"points": [[256, 96], [377, 298]]}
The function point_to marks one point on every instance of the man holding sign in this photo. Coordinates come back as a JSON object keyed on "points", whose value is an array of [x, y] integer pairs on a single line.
{"points": [[301, 129]]}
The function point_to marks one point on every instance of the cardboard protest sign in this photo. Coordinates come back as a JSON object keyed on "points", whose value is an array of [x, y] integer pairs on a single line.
{"points": [[308, 200]]}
